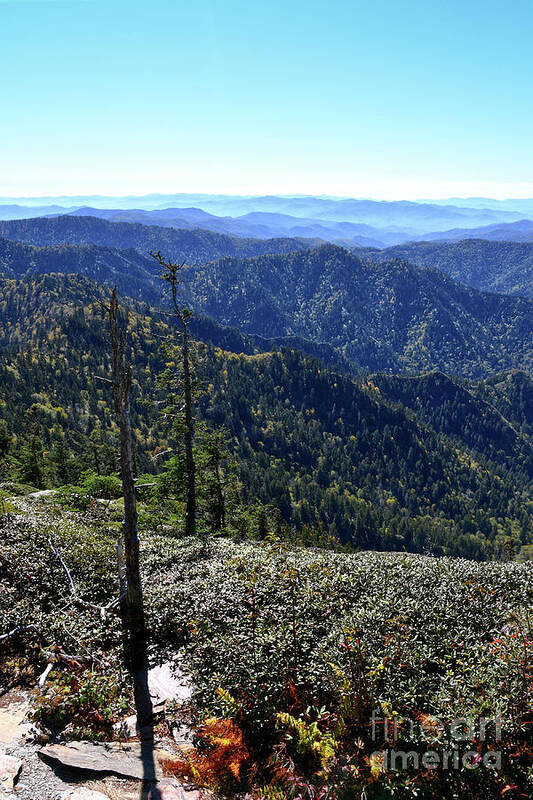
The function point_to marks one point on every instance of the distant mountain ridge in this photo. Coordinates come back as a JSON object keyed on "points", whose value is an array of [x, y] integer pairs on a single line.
{"points": [[17, 211], [390, 316], [519, 231], [356, 221], [493, 266], [363, 210], [194, 246], [521, 205], [259, 225]]}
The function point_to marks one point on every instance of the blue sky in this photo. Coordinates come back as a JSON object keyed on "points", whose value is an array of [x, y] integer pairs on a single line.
{"points": [[382, 98]]}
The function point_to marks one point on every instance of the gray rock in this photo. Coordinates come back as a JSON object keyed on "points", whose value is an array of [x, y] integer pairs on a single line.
{"points": [[182, 735], [169, 789], [128, 728], [9, 771], [166, 792], [168, 682], [131, 760]]}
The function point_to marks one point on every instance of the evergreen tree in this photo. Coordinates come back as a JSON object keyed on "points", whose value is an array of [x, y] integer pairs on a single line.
{"points": [[31, 462]]}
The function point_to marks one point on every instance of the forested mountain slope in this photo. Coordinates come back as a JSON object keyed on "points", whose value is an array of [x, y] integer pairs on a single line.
{"points": [[468, 414], [389, 316], [505, 267], [392, 316], [133, 273], [367, 460], [193, 246], [137, 278], [512, 394]]}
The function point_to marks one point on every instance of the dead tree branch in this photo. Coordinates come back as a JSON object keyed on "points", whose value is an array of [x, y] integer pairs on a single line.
{"points": [[18, 629], [102, 610]]}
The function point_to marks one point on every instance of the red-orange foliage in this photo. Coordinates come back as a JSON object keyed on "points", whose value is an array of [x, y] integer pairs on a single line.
{"points": [[218, 757]]}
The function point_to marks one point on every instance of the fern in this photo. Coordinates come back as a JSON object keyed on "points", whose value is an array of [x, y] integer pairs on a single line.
{"points": [[311, 740]]}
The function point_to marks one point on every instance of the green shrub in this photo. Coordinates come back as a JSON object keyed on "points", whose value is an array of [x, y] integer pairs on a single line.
{"points": [[327, 638], [298, 646], [106, 487], [80, 498], [6, 506], [76, 498], [13, 489], [89, 702]]}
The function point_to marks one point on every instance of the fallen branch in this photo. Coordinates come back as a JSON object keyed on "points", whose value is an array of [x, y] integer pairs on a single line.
{"points": [[161, 453], [57, 655], [67, 571], [44, 675], [18, 629]]}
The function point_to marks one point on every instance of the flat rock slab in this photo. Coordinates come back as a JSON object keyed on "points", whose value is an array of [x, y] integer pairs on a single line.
{"points": [[9, 770], [130, 760]]}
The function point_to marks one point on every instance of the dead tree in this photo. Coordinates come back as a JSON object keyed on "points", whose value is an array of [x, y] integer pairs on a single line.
{"points": [[171, 274], [131, 602]]}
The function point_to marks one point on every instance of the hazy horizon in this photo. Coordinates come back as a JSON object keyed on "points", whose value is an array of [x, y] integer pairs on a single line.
{"points": [[59, 198], [389, 100]]}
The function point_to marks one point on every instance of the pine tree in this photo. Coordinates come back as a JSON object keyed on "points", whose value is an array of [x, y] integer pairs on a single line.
{"points": [[171, 274], [31, 469]]}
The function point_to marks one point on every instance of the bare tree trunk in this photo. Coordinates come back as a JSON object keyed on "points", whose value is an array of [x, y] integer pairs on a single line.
{"points": [[190, 513], [131, 605], [221, 500]]}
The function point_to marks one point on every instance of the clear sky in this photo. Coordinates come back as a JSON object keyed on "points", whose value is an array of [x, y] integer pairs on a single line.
{"points": [[379, 98]]}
